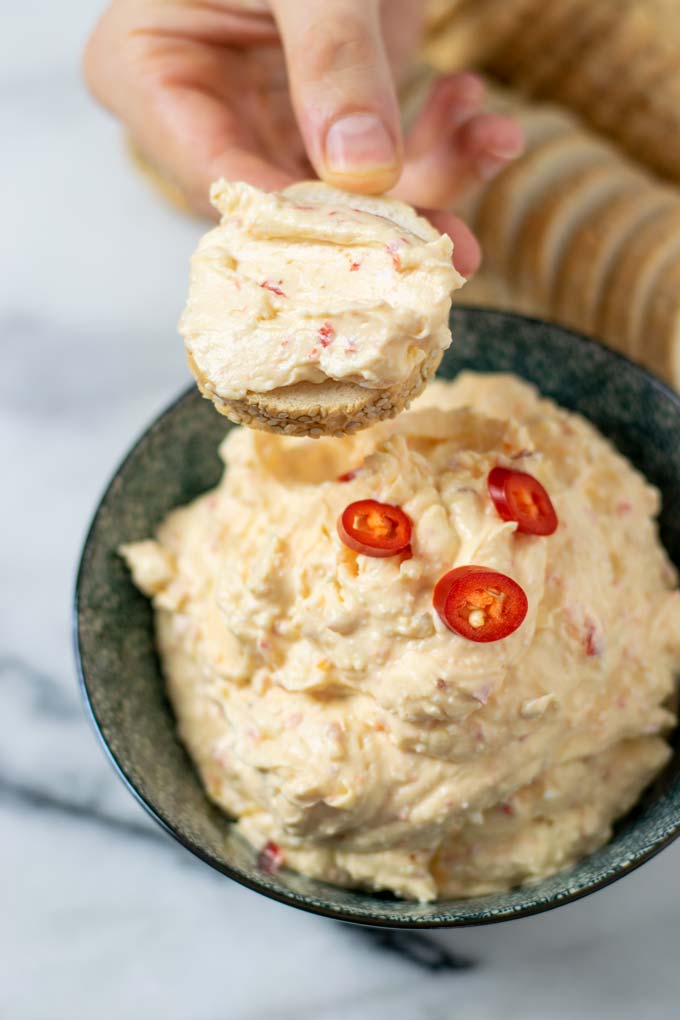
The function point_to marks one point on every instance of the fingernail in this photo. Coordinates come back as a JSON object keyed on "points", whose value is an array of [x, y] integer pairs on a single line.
{"points": [[511, 150], [359, 143], [488, 166]]}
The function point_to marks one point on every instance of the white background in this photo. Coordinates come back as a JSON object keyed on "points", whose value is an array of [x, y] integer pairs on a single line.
{"points": [[100, 915]]}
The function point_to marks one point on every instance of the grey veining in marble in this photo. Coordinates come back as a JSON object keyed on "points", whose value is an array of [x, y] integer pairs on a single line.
{"points": [[101, 916]]}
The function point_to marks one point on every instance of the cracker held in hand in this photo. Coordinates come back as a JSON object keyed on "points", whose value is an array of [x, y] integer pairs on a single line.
{"points": [[314, 311]]}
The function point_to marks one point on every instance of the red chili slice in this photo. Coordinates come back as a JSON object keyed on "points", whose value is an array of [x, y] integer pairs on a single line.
{"points": [[479, 603], [375, 529], [520, 497]]}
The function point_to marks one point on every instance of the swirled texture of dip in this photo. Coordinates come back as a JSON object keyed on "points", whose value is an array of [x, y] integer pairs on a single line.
{"points": [[314, 284], [328, 708]]}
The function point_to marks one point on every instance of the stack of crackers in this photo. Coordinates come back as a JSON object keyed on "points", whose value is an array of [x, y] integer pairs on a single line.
{"points": [[612, 61], [584, 229]]}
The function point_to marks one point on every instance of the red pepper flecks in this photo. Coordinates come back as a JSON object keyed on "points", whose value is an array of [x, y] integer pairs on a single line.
{"points": [[268, 285], [392, 248], [270, 858], [353, 266], [592, 641], [326, 334]]}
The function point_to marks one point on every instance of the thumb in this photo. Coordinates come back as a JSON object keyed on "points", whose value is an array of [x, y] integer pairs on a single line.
{"points": [[343, 91]]}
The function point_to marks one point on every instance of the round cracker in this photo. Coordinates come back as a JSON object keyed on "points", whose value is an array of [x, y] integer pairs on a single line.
{"points": [[330, 408], [632, 274], [659, 329], [464, 34], [539, 124], [549, 222], [504, 204], [542, 122], [587, 75], [654, 136], [537, 20], [567, 26], [588, 254]]}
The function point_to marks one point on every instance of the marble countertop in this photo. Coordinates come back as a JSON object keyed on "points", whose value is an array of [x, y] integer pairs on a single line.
{"points": [[101, 915]]}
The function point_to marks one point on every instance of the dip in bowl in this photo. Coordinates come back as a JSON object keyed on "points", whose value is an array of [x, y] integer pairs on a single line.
{"points": [[176, 461]]}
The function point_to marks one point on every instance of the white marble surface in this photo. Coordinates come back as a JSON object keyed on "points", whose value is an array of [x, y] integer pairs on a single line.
{"points": [[101, 916]]}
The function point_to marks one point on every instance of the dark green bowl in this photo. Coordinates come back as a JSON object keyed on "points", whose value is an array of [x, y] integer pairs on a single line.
{"points": [[177, 458]]}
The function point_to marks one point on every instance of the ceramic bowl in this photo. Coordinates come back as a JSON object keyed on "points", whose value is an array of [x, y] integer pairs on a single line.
{"points": [[176, 459]]}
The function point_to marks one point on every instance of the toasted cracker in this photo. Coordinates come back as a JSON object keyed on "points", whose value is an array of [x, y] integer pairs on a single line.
{"points": [[554, 32], [654, 135], [331, 408], [506, 62], [550, 222], [613, 62], [593, 247], [503, 207], [628, 284], [566, 27], [543, 122], [658, 328], [464, 33]]}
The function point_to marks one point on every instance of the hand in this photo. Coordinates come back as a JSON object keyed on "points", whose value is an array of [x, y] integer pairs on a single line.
{"points": [[272, 92]]}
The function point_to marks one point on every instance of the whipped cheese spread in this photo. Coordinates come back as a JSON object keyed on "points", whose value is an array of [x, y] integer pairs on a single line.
{"points": [[315, 284], [333, 714]]}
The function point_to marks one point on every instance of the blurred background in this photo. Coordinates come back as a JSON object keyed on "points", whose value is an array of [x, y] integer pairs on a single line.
{"points": [[101, 915]]}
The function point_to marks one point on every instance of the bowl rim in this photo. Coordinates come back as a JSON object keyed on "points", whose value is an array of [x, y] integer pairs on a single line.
{"points": [[299, 901]]}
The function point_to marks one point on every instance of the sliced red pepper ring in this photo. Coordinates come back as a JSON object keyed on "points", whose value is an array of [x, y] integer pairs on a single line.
{"points": [[480, 604], [375, 529], [520, 497]]}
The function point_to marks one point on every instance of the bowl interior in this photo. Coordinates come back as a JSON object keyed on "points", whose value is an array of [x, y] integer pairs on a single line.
{"points": [[176, 459]]}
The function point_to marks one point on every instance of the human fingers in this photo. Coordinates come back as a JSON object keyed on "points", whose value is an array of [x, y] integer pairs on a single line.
{"points": [[454, 147], [171, 89], [343, 90]]}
